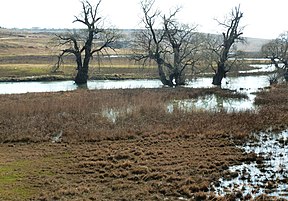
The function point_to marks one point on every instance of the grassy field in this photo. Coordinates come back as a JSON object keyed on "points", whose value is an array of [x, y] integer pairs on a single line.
{"points": [[26, 54]]}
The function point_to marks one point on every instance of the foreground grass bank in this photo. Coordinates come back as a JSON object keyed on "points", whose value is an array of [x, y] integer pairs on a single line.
{"points": [[142, 152]]}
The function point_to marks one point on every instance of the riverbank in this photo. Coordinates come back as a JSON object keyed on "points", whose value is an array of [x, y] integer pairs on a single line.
{"points": [[115, 76], [129, 149]]}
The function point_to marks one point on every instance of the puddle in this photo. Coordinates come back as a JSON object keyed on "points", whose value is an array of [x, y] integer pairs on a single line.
{"points": [[269, 176], [247, 85], [212, 103], [112, 114]]}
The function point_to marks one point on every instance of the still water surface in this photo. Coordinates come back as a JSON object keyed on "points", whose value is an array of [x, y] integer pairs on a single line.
{"points": [[247, 83], [55, 86]]}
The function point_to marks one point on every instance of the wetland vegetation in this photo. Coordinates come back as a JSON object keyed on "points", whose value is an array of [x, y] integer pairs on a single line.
{"points": [[125, 144], [145, 153]]}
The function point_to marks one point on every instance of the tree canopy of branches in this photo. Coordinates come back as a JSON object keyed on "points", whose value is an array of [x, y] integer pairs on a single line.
{"points": [[277, 51], [83, 44], [229, 38], [173, 46]]}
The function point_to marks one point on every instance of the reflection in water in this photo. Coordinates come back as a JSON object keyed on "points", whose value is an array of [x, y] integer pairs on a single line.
{"points": [[245, 84], [212, 103], [269, 176], [124, 84]]}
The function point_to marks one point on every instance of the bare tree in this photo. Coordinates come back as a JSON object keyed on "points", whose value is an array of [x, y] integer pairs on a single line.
{"points": [[173, 46], [83, 44], [229, 38], [277, 51]]}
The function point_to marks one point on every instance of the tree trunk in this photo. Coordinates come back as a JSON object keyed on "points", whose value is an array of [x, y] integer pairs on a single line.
{"points": [[163, 78], [286, 76], [177, 79], [219, 75], [180, 79], [161, 72], [81, 77]]}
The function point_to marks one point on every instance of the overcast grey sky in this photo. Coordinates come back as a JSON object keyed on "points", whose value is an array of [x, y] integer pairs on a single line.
{"points": [[262, 18]]}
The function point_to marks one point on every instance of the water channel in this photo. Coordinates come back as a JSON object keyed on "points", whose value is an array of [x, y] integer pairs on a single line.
{"points": [[244, 84], [235, 83], [55, 86]]}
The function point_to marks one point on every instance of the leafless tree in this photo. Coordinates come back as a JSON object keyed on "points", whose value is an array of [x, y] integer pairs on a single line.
{"points": [[277, 51], [83, 44], [173, 46], [231, 36]]}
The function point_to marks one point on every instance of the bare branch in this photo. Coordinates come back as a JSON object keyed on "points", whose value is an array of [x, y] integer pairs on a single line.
{"points": [[232, 35], [84, 43], [172, 47]]}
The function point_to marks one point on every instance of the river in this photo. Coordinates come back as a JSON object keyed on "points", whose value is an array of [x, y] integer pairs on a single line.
{"points": [[248, 83]]}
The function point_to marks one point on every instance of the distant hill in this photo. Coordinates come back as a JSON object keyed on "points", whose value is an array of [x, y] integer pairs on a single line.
{"points": [[252, 44]]}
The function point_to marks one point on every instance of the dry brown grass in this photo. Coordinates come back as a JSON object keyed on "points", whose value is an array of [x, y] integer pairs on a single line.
{"points": [[82, 115], [146, 154]]}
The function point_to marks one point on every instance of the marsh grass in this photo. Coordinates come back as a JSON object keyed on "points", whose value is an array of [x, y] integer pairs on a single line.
{"points": [[79, 114]]}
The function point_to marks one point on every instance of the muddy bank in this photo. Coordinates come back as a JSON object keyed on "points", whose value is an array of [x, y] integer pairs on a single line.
{"points": [[42, 78]]}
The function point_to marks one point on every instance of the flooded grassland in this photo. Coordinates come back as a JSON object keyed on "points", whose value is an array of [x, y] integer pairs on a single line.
{"points": [[142, 152]]}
